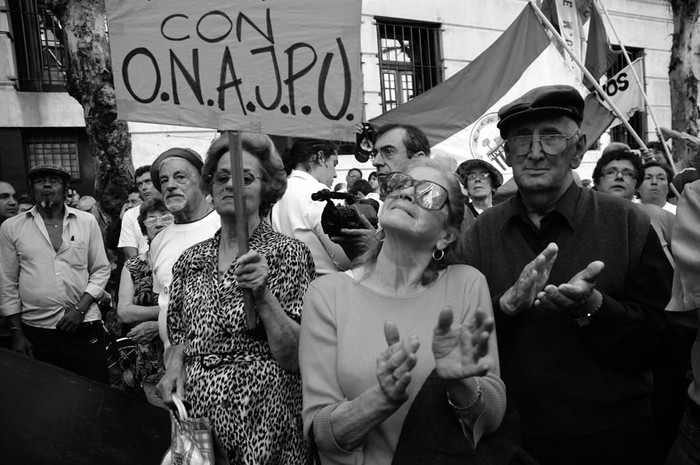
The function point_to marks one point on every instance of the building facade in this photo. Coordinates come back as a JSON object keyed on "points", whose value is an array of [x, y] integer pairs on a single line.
{"points": [[408, 47]]}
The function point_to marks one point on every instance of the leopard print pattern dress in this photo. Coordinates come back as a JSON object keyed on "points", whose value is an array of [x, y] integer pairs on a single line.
{"points": [[254, 404]]}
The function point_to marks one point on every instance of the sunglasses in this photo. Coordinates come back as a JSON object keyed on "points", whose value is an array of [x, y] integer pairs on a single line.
{"points": [[428, 195]]}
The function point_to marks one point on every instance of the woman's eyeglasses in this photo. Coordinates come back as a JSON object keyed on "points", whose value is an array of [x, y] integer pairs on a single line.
{"points": [[163, 219], [612, 173], [222, 177], [426, 194]]}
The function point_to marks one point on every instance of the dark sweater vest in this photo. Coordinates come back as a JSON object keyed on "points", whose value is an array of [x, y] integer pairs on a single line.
{"points": [[561, 385]]}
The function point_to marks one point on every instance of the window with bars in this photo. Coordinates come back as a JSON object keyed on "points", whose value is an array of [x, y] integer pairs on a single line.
{"points": [[638, 121], [40, 54], [409, 59], [57, 149]]}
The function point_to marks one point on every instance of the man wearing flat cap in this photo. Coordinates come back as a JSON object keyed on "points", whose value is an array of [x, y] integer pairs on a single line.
{"points": [[176, 174], [53, 269], [579, 283]]}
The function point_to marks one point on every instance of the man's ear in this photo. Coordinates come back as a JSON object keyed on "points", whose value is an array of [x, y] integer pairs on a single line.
{"points": [[580, 147], [509, 158]]}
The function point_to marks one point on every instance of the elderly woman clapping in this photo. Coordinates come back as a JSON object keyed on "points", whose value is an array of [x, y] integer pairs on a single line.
{"points": [[245, 382], [361, 358]]}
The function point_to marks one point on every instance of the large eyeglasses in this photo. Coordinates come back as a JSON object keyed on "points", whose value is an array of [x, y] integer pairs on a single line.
{"points": [[426, 194], [222, 177], [163, 219], [613, 172], [551, 144], [387, 152], [475, 176]]}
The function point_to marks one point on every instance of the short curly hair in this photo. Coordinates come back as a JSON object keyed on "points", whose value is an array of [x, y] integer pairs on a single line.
{"points": [[274, 179], [148, 206], [618, 152]]}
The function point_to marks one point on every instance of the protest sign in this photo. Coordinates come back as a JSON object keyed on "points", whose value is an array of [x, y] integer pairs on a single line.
{"points": [[285, 67]]}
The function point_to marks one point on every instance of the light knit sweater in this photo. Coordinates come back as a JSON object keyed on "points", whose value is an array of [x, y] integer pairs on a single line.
{"points": [[342, 335]]}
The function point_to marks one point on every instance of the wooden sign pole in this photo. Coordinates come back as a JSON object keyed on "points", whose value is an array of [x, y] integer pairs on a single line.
{"points": [[236, 152]]}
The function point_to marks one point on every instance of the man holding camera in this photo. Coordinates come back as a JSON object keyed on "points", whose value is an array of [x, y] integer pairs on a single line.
{"points": [[311, 166], [394, 145]]}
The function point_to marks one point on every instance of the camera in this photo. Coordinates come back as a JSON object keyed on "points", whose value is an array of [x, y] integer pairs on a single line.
{"points": [[334, 217], [364, 143]]}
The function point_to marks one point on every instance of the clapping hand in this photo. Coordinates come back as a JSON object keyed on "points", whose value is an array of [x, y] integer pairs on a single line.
{"points": [[521, 296], [394, 364], [458, 350], [576, 295]]}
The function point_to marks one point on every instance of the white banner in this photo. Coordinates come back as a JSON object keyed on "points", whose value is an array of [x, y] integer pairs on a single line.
{"points": [[285, 67]]}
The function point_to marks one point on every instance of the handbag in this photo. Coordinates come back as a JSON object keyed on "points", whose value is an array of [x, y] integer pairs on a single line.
{"points": [[192, 439]]}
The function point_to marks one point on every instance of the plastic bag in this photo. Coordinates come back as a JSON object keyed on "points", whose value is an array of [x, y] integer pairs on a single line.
{"points": [[191, 440]]}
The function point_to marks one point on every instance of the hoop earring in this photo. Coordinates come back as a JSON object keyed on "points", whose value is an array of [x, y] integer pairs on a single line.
{"points": [[438, 254], [379, 234]]}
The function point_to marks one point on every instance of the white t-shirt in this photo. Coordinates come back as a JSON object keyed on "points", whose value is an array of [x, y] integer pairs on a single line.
{"points": [[298, 216], [131, 235], [167, 247]]}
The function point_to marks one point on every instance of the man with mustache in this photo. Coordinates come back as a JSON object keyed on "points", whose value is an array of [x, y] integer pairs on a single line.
{"points": [[53, 269]]}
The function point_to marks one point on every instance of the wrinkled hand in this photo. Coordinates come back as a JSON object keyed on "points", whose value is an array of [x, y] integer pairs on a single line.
{"points": [[70, 320], [457, 350], [145, 332], [521, 296], [576, 296], [356, 242], [252, 272], [173, 380], [21, 344], [394, 365]]}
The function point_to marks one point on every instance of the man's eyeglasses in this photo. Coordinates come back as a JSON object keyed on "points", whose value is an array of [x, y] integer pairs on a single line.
{"points": [[222, 177], [387, 152], [475, 176], [426, 194], [53, 180], [613, 172], [551, 144], [153, 220]]}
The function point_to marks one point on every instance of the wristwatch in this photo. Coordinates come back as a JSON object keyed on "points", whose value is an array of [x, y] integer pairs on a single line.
{"points": [[585, 319]]}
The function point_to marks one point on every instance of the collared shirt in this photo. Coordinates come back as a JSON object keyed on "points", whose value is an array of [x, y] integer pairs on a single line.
{"points": [[39, 282], [298, 216], [551, 225]]}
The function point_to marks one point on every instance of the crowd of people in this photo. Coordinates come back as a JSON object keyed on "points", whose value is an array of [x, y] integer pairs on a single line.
{"points": [[554, 325]]}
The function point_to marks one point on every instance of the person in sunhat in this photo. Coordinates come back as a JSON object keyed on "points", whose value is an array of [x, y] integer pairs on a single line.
{"points": [[53, 269], [481, 180], [579, 283]]}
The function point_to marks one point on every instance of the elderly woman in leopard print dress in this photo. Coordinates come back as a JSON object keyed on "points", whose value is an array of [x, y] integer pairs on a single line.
{"points": [[246, 382]]}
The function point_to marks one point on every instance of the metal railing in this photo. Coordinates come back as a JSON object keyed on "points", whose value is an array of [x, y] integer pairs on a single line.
{"points": [[410, 61], [37, 39]]}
